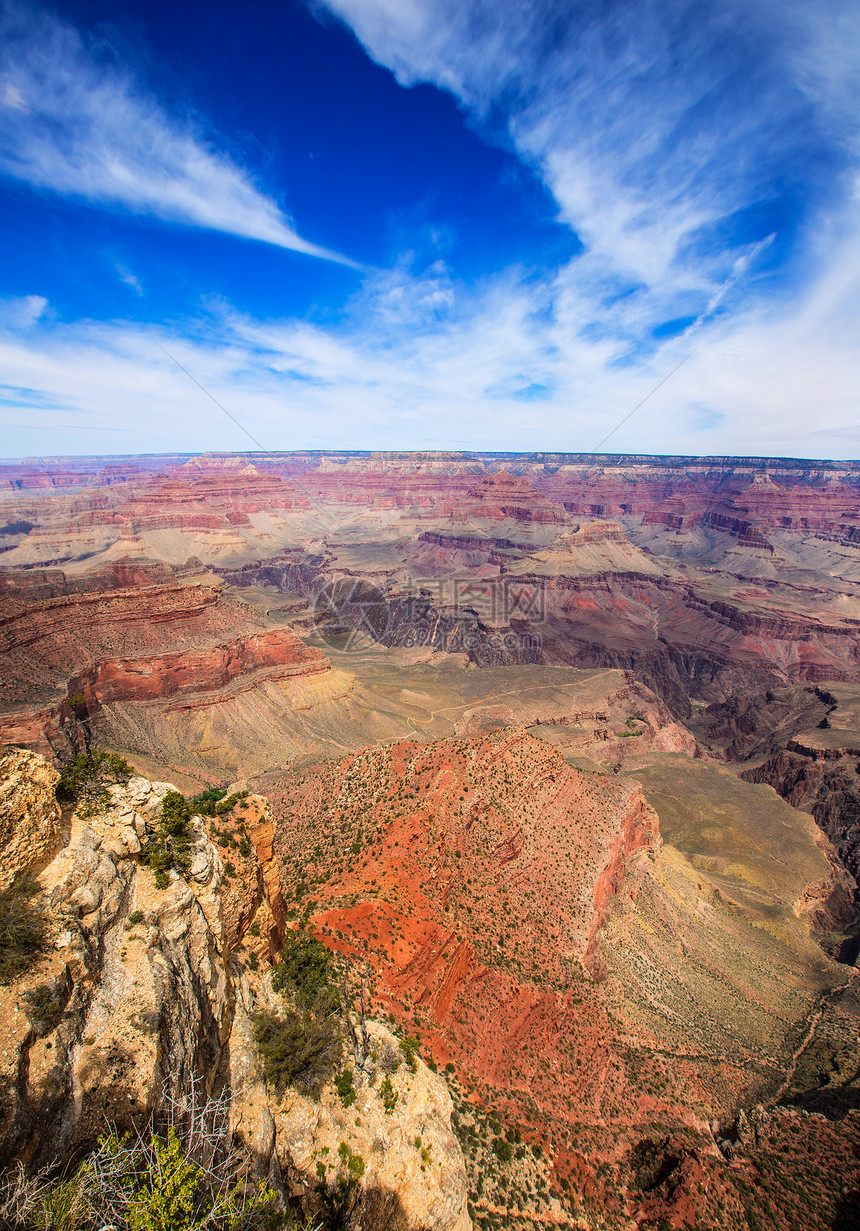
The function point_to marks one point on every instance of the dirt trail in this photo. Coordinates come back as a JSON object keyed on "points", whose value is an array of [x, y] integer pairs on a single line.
{"points": [[814, 1022]]}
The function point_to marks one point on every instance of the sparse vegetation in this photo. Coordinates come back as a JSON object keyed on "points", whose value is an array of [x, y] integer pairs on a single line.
{"points": [[302, 1044], [23, 929], [169, 848], [305, 967], [84, 781], [42, 1006], [410, 1047], [205, 803], [388, 1095], [216, 802], [339, 1194], [345, 1087], [296, 1047], [149, 1182]]}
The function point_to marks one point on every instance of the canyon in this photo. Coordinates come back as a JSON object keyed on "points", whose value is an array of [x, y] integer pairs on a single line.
{"points": [[559, 753]]}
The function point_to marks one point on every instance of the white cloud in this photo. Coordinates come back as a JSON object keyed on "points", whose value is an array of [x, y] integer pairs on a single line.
{"points": [[652, 122], [130, 279], [12, 97], [424, 362], [77, 122], [518, 361], [22, 312]]}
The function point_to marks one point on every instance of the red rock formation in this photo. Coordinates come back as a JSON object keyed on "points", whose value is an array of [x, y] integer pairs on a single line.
{"points": [[110, 636], [476, 877], [510, 908], [501, 496], [181, 672]]}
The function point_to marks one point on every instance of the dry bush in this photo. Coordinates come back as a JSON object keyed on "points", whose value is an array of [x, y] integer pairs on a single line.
{"points": [[182, 1173], [23, 928]]}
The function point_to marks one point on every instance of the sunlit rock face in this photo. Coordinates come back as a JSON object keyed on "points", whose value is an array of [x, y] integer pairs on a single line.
{"points": [[524, 723], [151, 999], [527, 918]]}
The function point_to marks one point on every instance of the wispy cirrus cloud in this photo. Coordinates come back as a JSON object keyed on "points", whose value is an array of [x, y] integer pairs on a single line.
{"points": [[75, 121], [705, 155], [424, 361], [675, 135]]}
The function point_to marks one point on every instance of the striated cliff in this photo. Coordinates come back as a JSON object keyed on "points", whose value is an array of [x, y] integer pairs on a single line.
{"points": [[148, 998], [581, 979], [132, 636], [181, 672]]}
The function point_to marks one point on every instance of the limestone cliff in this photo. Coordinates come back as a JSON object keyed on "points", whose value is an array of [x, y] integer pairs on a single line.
{"points": [[29, 813], [147, 995]]}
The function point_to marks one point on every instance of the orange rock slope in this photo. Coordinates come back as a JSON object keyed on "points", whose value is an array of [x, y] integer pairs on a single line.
{"points": [[480, 879]]}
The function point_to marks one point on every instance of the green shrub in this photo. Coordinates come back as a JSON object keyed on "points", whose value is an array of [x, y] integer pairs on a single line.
{"points": [[204, 803], [23, 928], [340, 1198], [388, 1095], [343, 1083], [502, 1150], [153, 1184], [170, 1195], [84, 781], [42, 1006], [295, 1048], [228, 804], [410, 1047], [175, 812], [170, 846], [306, 967]]}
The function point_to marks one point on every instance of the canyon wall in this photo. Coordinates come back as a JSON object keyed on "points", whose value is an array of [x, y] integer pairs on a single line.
{"points": [[150, 996]]}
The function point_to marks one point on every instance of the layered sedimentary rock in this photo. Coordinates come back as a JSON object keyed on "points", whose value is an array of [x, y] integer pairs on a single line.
{"points": [[151, 1003], [610, 988], [586, 981], [130, 635], [132, 679], [698, 573], [502, 497]]}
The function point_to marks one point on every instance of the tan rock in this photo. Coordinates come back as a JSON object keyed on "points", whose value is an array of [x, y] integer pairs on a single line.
{"points": [[414, 1172], [29, 813]]}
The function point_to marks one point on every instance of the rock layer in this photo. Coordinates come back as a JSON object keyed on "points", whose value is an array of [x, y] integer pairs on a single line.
{"points": [[151, 1003], [522, 915]]}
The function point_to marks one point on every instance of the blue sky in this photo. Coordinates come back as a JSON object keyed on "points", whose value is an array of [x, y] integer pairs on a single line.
{"points": [[437, 224]]}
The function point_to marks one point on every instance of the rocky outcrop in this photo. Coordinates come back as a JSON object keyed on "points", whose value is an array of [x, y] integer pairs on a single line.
{"points": [[148, 1001], [524, 918], [413, 1169], [279, 652], [638, 830], [742, 530], [786, 739], [759, 723], [123, 635], [29, 813], [502, 496], [293, 572], [828, 788]]}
